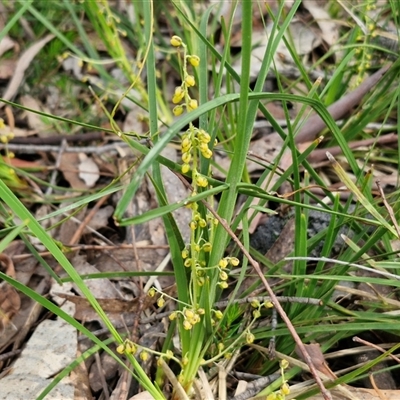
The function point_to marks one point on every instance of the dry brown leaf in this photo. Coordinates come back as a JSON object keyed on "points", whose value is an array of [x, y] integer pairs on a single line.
{"points": [[24, 62], [7, 68], [362, 394], [329, 29], [88, 170], [6, 44], [68, 166], [314, 351]]}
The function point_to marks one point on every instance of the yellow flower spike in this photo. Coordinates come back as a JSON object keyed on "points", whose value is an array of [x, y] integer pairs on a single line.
{"points": [[185, 168], [120, 349], [187, 325], [194, 60], [172, 316], [190, 81], [177, 110], [223, 263], [192, 105], [186, 157], [144, 355], [176, 41], [160, 302]]}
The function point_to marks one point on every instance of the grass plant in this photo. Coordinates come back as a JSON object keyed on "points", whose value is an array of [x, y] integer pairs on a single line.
{"points": [[206, 113]]}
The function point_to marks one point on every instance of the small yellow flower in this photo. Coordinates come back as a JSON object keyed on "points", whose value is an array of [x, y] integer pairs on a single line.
{"points": [[186, 157], [203, 136], [185, 168], [193, 225], [186, 144], [160, 302], [201, 311], [285, 389], [218, 314], [151, 292], [234, 261], [190, 81], [187, 325], [177, 110], [176, 41], [121, 349], [187, 263], [185, 360], [202, 223], [207, 153], [256, 314], [284, 364], [185, 253], [194, 60], [172, 316], [178, 95], [221, 346], [250, 338], [144, 355], [2, 124], [255, 304], [268, 304], [223, 263], [223, 275], [169, 354], [189, 313], [201, 181], [192, 105], [4, 138], [207, 247], [222, 285]]}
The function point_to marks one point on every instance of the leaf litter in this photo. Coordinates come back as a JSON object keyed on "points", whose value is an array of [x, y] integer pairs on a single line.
{"points": [[102, 247]]}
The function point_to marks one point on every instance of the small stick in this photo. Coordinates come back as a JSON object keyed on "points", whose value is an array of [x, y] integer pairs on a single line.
{"points": [[376, 347], [389, 208]]}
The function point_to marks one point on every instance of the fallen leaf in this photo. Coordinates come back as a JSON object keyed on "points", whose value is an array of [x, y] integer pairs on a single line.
{"points": [[24, 62], [88, 170]]}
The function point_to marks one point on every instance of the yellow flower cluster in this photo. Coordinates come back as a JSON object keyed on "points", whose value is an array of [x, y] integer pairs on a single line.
{"points": [[195, 139], [182, 91], [190, 317]]}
